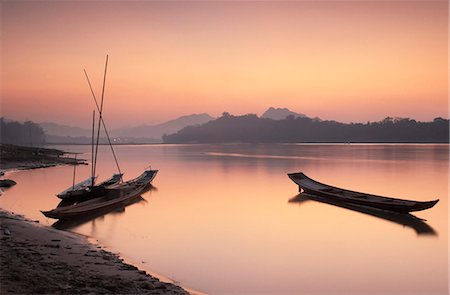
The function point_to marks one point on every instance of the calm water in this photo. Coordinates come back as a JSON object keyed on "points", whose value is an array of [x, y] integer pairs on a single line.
{"points": [[220, 219]]}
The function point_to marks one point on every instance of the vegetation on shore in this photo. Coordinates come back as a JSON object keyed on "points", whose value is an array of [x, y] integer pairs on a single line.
{"points": [[27, 133], [251, 128]]}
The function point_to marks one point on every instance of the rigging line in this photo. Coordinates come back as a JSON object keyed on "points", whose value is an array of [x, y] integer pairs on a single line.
{"points": [[104, 125]]}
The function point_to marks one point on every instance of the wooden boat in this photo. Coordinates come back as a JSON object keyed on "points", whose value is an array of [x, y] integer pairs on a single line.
{"points": [[313, 187], [121, 193], [88, 198], [85, 190]]}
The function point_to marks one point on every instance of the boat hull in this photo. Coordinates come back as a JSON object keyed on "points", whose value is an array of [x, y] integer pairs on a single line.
{"points": [[115, 195], [313, 187], [109, 201]]}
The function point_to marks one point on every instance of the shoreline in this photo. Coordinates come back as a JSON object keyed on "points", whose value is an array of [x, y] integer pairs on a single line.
{"points": [[40, 259], [37, 259], [15, 157]]}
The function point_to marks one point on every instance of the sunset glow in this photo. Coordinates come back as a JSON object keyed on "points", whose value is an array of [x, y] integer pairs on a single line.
{"points": [[347, 61]]}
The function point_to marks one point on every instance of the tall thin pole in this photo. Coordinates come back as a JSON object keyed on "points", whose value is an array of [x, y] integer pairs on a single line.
{"points": [[92, 148], [74, 170], [103, 123], [100, 114], [31, 138]]}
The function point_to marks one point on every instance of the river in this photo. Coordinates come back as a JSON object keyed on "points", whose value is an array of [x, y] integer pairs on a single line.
{"points": [[226, 219]]}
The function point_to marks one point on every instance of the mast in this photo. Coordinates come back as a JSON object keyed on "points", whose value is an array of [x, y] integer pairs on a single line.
{"points": [[103, 123], [92, 149], [74, 172]]}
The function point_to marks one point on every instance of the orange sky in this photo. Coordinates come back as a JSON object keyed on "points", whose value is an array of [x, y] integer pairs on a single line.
{"points": [[348, 61]]}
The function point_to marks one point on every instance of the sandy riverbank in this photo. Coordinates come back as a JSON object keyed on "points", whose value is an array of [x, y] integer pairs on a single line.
{"points": [[36, 259]]}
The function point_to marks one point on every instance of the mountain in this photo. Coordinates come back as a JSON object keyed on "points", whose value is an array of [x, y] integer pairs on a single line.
{"points": [[251, 129], [57, 133], [64, 130], [157, 131], [280, 114]]}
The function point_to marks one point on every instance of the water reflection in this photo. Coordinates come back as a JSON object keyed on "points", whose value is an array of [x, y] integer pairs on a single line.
{"points": [[118, 208], [408, 220]]}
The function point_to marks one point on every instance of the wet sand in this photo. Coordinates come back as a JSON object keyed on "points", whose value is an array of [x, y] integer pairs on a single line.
{"points": [[35, 259]]}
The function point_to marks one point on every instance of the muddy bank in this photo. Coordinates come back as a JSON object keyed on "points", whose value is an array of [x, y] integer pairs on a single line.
{"points": [[21, 157], [40, 260]]}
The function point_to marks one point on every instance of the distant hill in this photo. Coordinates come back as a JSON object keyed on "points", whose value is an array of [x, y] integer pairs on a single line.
{"points": [[250, 128], [280, 114], [57, 133], [55, 139], [64, 130], [157, 131]]}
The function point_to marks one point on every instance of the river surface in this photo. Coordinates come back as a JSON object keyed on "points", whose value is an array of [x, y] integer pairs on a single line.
{"points": [[226, 219]]}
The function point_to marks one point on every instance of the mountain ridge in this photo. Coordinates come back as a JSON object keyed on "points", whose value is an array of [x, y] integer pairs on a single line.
{"points": [[57, 133], [253, 129], [158, 130], [280, 114]]}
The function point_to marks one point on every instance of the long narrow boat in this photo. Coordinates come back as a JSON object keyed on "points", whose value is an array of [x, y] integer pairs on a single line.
{"points": [[313, 187], [117, 194], [88, 198], [87, 189]]}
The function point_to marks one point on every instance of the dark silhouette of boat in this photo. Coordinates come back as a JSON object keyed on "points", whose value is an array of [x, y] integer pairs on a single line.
{"points": [[118, 194], [85, 189], [86, 198], [409, 220], [316, 188]]}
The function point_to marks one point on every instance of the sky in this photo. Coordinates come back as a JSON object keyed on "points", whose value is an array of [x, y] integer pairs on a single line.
{"points": [[350, 61]]}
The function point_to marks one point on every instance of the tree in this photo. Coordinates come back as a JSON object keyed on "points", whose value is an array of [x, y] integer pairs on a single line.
{"points": [[27, 133]]}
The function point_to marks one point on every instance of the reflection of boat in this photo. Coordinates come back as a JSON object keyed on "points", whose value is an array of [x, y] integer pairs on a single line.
{"points": [[313, 187], [119, 208], [408, 220], [85, 189], [118, 194]]}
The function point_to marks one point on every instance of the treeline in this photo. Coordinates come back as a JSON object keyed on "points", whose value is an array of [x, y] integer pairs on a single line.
{"points": [[27, 133], [251, 128]]}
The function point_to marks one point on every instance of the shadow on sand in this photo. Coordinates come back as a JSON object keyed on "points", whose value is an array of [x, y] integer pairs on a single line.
{"points": [[116, 209], [408, 220]]}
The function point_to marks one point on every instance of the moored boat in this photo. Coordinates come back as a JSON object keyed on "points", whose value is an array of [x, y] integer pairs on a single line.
{"points": [[88, 198], [313, 187], [121, 193]]}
